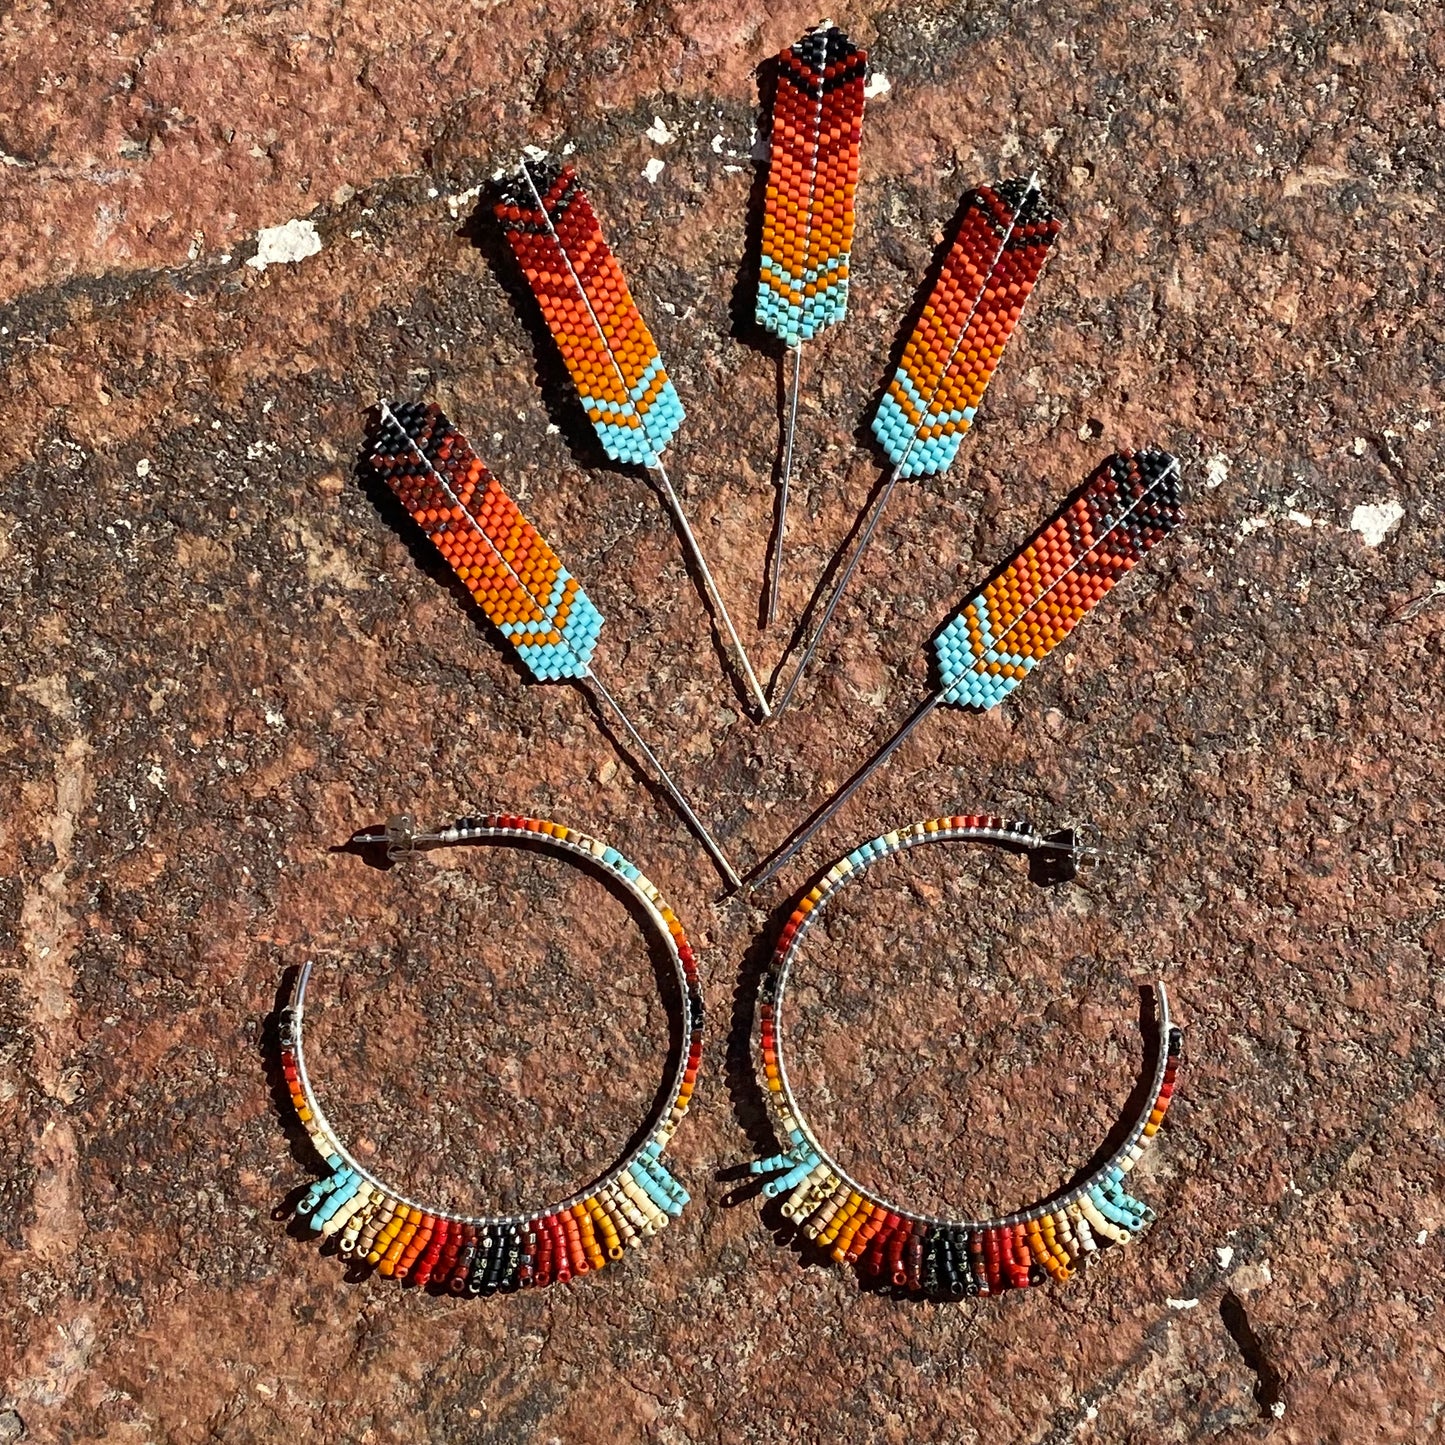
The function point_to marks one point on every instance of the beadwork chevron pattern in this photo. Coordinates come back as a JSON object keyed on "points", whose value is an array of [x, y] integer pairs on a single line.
{"points": [[499, 555], [556, 237], [808, 214], [1129, 504], [1003, 240]]}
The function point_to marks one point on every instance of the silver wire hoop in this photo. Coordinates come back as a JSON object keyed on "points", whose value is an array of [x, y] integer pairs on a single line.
{"points": [[480, 1253], [926, 1252]]}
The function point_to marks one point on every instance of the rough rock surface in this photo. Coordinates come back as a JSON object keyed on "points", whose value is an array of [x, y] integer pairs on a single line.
{"points": [[220, 657]]}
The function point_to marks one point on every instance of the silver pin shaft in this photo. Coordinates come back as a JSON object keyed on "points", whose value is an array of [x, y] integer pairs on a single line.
{"points": [[696, 823], [867, 536], [714, 596], [800, 836], [837, 594], [775, 578]]}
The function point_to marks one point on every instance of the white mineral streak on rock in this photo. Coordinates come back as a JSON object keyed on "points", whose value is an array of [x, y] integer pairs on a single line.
{"points": [[278, 245], [1373, 520]]}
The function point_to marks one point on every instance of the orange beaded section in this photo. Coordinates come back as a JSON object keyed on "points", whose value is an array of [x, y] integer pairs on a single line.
{"points": [[1129, 504], [590, 312], [1002, 242], [479, 1256], [504, 562], [808, 215]]}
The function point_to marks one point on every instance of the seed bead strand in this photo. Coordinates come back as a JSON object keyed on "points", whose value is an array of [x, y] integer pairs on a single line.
{"points": [[923, 1253], [469, 1255]]}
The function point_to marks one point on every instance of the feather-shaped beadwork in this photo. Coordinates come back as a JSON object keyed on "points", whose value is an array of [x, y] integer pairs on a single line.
{"points": [[1004, 236], [1130, 504], [556, 237], [505, 563], [812, 180], [1003, 240]]}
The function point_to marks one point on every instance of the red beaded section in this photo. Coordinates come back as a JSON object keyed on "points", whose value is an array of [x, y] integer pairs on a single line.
{"points": [[1003, 239], [808, 215], [465, 1255], [917, 1253]]}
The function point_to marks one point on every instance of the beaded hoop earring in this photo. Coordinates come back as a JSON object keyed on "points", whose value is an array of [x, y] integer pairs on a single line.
{"points": [[477, 1254], [924, 1253]]}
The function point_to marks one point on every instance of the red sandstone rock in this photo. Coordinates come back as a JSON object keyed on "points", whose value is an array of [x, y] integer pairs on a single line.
{"points": [[219, 659]]}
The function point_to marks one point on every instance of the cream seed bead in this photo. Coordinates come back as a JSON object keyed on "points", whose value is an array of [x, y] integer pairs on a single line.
{"points": [[352, 1233], [654, 1218], [632, 1213], [822, 1216], [884, 1239], [618, 1216], [825, 1182], [376, 1224], [1065, 1234], [1102, 1226], [357, 1220], [1084, 1234], [851, 1205], [626, 1224], [659, 1218], [483, 1255], [793, 1208], [807, 1215], [821, 1191], [339, 1219]]}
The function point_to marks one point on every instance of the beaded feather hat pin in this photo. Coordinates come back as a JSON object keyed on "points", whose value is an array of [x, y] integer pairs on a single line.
{"points": [[808, 217], [613, 360], [1004, 236], [1128, 506], [505, 563]]}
